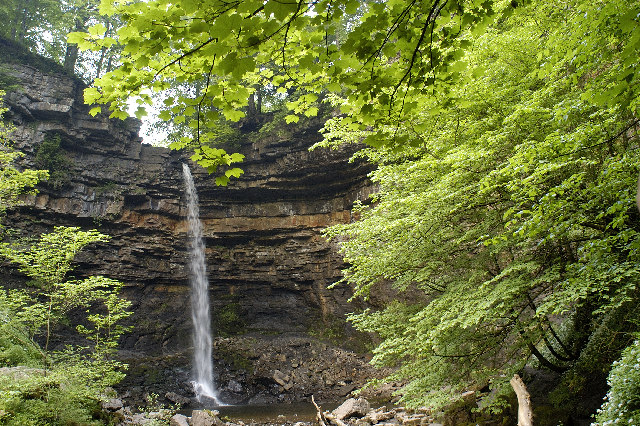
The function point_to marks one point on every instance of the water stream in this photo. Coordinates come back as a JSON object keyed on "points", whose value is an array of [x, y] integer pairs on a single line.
{"points": [[203, 383]]}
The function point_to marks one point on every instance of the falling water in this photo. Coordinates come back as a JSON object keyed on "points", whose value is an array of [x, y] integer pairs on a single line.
{"points": [[203, 384]]}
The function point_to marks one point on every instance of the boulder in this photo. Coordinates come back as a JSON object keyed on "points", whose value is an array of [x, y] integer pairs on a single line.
{"points": [[205, 418], [21, 372], [380, 415], [179, 420], [352, 407], [113, 404], [280, 378]]}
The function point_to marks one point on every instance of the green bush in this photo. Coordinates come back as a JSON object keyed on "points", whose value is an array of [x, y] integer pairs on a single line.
{"points": [[46, 387], [622, 403], [50, 156]]}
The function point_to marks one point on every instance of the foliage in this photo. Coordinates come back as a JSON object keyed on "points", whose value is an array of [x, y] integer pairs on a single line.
{"points": [[510, 231], [41, 26], [50, 156], [13, 181], [379, 55], [622, 403], [75, 377]]}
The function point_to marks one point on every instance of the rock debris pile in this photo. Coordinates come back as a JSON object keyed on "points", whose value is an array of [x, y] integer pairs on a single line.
{"points": [[358, 412]]}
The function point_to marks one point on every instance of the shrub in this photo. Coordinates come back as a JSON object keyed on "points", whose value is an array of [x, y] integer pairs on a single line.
{"points": [[622, 403]]}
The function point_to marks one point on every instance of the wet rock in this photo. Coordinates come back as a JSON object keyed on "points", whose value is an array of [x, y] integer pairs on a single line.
{"points": [[137, 419], [414, 420], [352, 407], [234, 386], [177, 398], [379, 415]]}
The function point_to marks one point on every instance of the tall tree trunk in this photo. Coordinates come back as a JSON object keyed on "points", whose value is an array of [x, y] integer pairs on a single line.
{"points": [[70, 58], [71, 54], [103, 52], [22, 30], [109, 63], [259, 101], [251, 107], [638, 195]]}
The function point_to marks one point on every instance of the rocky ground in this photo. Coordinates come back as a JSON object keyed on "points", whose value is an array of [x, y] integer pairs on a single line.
{"points": [[352, 412], [255, 370]]}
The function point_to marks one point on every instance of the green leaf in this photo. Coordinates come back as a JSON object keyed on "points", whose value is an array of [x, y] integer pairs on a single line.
{"points": [[291, 118], [311, 112], [222, 180], [232, 114], [164, 115], [141, 112], [235, 172], [281, 9], [236, 157], [76, 37]]}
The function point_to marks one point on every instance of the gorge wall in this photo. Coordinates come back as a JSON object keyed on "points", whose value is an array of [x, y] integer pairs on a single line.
{"points": [[268, 265]]}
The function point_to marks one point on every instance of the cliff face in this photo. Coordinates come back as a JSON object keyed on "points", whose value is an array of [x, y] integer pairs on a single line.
{"points": [[268, 265]]}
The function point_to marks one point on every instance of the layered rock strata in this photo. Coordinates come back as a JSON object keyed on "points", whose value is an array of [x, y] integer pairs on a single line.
{"points": [[268, 264]]}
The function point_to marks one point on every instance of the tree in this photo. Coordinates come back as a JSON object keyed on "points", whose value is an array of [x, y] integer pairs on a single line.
{"points": [[67, 384], [511, 233], [42, 26]]}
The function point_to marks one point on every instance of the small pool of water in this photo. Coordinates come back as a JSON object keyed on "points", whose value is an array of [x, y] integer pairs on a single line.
{"points": [[273, 413]]}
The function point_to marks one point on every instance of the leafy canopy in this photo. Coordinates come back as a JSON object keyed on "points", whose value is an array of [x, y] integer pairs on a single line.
{"points": [[509, 233], [380, 56]]}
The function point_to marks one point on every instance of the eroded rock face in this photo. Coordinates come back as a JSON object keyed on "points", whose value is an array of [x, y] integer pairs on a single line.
{"points": [[268, 265]]}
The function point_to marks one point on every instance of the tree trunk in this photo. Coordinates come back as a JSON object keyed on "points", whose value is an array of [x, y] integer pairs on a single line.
{"points": [[70, 58], [22, 31], [525, 411], [71, 54], [109, 63], [259, 101], [251, 107], [103, 52]]}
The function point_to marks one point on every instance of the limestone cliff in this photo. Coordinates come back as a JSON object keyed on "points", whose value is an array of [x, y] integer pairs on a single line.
{"points": [[268, 265]]}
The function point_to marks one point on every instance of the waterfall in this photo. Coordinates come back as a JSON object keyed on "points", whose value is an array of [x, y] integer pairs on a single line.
{"points": [[203, 383]]}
